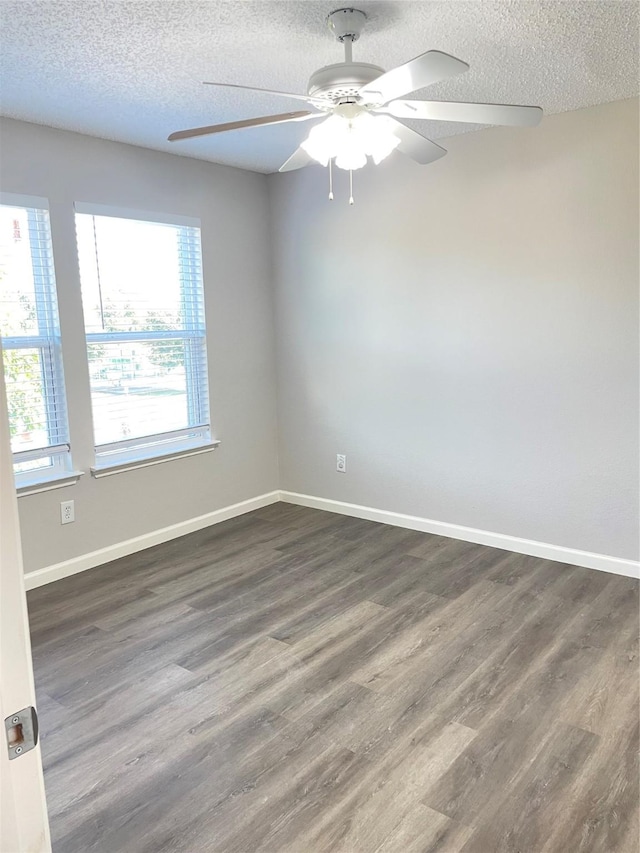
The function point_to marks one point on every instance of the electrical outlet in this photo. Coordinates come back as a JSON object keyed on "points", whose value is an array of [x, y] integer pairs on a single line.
{"points": [[341, 463], [67, 512]]}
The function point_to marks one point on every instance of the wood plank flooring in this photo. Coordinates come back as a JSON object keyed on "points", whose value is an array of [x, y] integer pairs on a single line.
{"points": [[293, 681]]}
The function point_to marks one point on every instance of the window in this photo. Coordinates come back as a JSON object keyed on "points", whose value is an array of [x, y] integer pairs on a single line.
{"points": [[143, 305], [31, 346]]}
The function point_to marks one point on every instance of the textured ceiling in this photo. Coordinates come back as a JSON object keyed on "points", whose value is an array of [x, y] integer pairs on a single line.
{"points": [[132, 71]]}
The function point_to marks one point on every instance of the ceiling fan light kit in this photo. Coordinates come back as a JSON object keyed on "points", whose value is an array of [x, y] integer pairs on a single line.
{"points": [[349, 136], [363, 108]]}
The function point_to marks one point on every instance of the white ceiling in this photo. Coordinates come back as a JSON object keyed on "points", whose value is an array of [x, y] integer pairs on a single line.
{"points": [[131, 70]]}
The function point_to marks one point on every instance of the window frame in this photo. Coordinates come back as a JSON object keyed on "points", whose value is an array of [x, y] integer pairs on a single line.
{"points": [[48, 342], [127, 454]]}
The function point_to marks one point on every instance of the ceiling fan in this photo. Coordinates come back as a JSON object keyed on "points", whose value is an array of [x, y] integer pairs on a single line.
{"points": [[362, 107]]}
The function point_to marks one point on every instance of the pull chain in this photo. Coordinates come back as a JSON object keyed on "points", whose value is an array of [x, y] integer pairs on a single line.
{"points": [[350, 186], [330, 179]]}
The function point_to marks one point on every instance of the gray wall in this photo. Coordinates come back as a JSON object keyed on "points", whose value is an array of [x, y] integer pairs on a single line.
{"points": [[467, 332], [233, 208]]}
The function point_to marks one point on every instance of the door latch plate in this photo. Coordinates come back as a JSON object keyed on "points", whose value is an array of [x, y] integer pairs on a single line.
{"points": [[21, 730]]}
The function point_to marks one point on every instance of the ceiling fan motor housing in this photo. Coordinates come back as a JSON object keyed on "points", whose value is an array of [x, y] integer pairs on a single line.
{"points": [[342, 80]]}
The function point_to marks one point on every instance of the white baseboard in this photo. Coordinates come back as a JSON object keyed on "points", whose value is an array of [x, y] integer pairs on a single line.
{"points": [[147, 540], [602, 562]]}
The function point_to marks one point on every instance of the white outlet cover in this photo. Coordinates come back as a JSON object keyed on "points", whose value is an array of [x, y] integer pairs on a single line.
{"points": [[341, 463], [67, 512]]}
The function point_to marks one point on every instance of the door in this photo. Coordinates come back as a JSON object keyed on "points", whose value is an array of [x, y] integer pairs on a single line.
{"points": [[24, 827]]}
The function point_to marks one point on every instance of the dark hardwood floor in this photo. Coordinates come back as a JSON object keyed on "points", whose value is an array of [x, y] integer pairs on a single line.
{"points": [[293, 680]]}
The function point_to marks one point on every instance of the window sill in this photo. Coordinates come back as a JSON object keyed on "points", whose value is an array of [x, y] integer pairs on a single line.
{"points": [[57, 481], [108, 469]]}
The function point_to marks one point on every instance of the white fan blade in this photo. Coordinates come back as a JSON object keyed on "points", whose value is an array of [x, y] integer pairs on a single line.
{"points": [[302, 115], [306, 98], [503, 114], [298, 160], [416, 146], [413, 75]]}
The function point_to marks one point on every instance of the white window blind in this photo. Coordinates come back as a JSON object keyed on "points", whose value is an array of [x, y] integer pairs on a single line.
{"points": [[31, 348], [143, 302]]}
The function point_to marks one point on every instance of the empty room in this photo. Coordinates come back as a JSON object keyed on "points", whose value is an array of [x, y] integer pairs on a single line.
{"points": [[319, 426]]}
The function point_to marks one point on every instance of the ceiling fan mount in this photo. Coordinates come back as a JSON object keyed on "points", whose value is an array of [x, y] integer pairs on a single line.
{"points": [[346, 23]]}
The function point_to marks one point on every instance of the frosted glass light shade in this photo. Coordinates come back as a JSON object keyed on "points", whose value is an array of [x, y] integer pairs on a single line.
{"points": [[351, 140]]}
